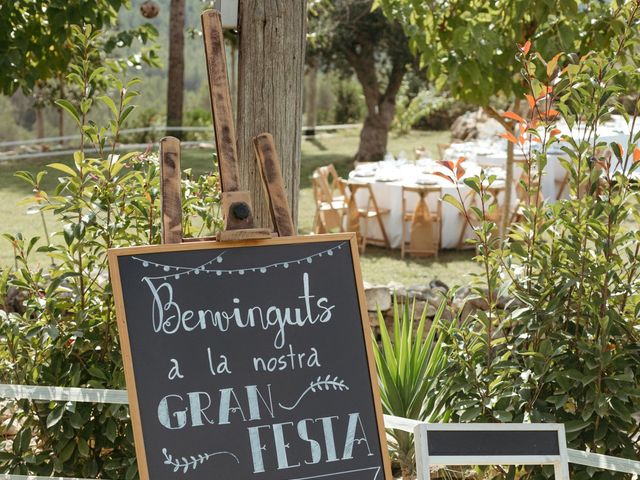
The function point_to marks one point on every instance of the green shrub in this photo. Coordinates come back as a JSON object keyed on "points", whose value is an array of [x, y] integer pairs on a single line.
{"points": [[565, 347], [65, 333], [409, 365]]}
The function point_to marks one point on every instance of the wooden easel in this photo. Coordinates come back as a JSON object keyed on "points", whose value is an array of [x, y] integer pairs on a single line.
{"points": [[236, 203]]}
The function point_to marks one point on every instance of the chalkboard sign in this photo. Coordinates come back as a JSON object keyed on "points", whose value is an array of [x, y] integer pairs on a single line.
{"points": [[249, 360], [491, 444]]}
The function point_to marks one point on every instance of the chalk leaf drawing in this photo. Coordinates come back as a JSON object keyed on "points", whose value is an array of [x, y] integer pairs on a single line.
{"points": [[319, 385], [192, 461]]}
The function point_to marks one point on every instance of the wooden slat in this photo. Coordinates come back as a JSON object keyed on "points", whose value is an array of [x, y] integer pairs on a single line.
{"points": [[220, 100], [274, 185], [604, 462], [10, 476], [400, 423], [170, 190], [63, 394]]}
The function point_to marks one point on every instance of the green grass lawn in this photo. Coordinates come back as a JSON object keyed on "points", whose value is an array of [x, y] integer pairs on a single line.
{"points": [[378, 265]]}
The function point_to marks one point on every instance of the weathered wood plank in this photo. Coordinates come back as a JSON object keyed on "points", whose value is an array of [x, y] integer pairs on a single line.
{"points": [[272, 181], [170, 190], [270, 81], [221, 110]]}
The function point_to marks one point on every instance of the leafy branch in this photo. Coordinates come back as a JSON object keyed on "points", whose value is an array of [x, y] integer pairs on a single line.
{"points": [[320, 384], [192, 462]]}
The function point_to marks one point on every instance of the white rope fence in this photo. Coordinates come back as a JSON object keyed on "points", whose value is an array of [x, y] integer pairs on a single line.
{"points": [[578, 457], [160, 130], [72, 394]]}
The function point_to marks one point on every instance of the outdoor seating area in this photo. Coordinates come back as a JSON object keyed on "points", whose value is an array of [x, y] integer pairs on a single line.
{"points": [[398, 204]]}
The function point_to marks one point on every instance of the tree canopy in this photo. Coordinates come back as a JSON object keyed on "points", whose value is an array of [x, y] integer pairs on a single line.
{"points": [[35, 36], [351, 37], [469, 46]]}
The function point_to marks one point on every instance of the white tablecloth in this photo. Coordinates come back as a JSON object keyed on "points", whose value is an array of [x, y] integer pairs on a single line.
{"points": [[493, 152], [388, 195]]}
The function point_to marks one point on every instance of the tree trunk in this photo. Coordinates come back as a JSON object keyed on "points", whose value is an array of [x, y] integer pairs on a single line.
{"points": [[375, 135], [506, 214], [381, 106], [270, 91], [39, 122], [175, 84], [60, 111], [312, 99]]}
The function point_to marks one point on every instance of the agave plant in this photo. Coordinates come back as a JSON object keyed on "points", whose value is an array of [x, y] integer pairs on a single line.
{"points": [[409, 367]]}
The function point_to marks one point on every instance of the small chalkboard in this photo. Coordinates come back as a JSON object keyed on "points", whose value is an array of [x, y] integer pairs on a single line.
{"points": [[249, 360], [491, 444]]}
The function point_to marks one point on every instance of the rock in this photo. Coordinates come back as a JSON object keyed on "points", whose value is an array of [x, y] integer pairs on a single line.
{"points": [[464, 128], [419, 292], [373, 319], [14, 300], [472, 125], [378, 297], [398, 289], [420, 307], [436, 284]]}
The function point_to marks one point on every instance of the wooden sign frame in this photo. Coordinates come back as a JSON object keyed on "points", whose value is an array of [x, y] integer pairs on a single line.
{"points": [[113, 256], [425, 459]]}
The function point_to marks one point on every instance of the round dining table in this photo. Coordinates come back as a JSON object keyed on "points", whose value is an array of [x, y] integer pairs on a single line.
{"points": [[387, 179]]}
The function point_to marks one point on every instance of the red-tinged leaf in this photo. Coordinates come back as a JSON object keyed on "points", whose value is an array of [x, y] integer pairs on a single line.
{"points": [[448, 164], [443, 175], [523, 128], [554, 132], [526, 47], [545, 91], [521, 139], [551, 66], [536, 140], [509, 136], [531, 101], [459, 161], [551, 113], [513, 116], [636, 155], [460, 173]]}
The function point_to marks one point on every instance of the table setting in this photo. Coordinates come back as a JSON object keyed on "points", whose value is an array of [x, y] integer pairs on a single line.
{"points": [[387, 178]]}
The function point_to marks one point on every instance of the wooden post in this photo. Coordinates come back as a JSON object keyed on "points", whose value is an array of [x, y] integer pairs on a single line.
{"points": [[270, 90], [221, 110], [175, 78], [170, 190], [311, 106], [274, 188]]}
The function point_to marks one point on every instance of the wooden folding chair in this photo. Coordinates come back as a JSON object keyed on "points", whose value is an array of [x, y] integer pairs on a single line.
{"points": [[355, 214], [425, 226], [442, 148], [330, 208]]}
